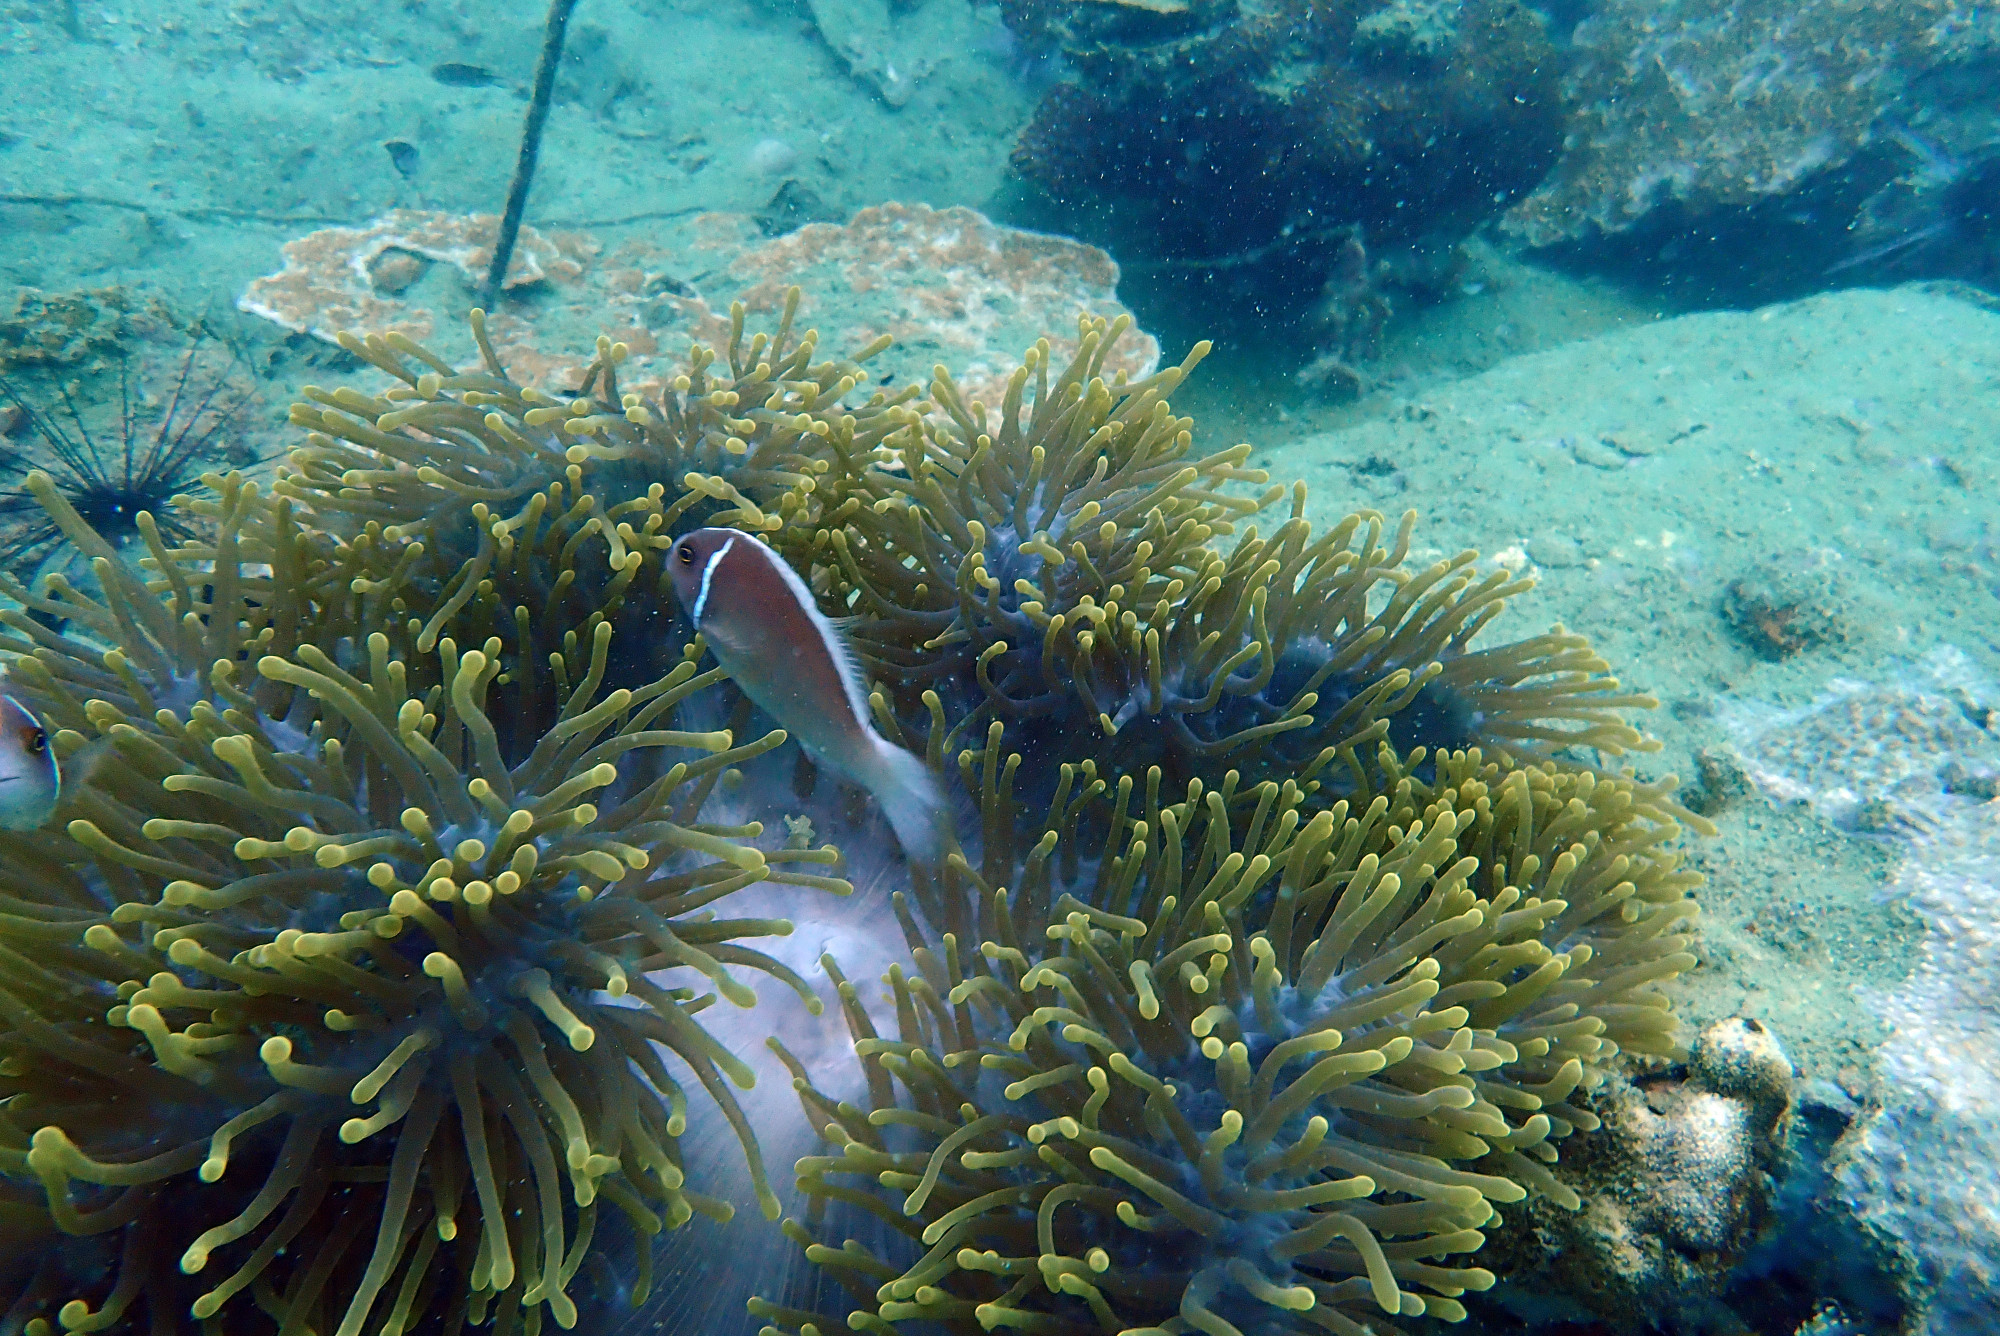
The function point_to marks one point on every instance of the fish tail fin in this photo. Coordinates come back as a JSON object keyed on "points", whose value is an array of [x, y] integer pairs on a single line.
{"points": [[913, 801]]}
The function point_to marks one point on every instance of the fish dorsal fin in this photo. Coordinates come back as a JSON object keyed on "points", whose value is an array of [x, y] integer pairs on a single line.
{"points": [[847, 661], [831, 634]]}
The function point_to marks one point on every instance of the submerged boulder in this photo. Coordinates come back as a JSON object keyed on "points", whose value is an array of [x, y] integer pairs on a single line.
{"points": [[1200, 130]]}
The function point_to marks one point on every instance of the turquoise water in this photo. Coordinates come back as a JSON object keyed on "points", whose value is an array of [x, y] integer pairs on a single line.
{"points": [[1682, 316]]}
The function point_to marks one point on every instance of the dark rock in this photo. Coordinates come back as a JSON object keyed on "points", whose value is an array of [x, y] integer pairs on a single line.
{"points": [[403, 156], [1279, 132], [1672, 1189], [792, 206], [1720, 781], [1764, 142], [1788, 605], [456, 75]]}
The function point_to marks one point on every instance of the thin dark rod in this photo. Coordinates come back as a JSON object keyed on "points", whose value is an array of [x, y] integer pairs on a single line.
{"points": [[531, 148]]}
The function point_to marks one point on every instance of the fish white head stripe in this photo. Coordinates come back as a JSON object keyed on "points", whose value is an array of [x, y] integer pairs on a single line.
{"points": [[708, 574]]}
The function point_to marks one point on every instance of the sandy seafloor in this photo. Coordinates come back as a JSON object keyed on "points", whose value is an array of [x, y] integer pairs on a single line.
{"points": [[1842, 451], [1840, 447]]}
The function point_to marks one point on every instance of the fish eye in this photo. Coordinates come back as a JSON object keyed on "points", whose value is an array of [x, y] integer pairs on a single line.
{"points": [[687, 554], [38, 742]]}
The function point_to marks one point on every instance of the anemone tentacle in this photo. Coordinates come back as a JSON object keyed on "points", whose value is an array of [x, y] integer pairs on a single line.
{"points": [[1240, 1066], [1054, 566], [368, 931], [739, 443]]}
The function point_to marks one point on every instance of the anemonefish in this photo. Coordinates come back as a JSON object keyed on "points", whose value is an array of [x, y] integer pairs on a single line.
{"points": [[30, 779], [759, 619]]}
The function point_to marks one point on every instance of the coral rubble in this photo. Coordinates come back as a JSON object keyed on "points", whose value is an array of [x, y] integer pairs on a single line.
{"points": [[65, 329], [1791, 602], [1913, 760], [1673, 1191], [948, 285], [354, 277], [952, 288]]}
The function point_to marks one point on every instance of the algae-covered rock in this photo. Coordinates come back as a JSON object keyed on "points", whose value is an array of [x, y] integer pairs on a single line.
{"points": [[1412, 122], [1673, 1190], [1693, 110]]}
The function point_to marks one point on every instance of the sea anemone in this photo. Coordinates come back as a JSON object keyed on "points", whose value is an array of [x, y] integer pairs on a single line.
{"points": [[1051, 566], [353, 947], [396, 787], [461, 497], [985, 546], [1298, 643], [740, 446], [1232, 1066]]}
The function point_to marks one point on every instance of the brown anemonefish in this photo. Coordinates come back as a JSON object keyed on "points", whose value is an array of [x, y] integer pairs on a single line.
{"points": [[30, 779], [759, 619]]}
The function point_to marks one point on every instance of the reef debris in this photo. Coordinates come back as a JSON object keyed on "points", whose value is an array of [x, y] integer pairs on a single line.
{"points": [[951, 288], [890, 47], [1913, 759], [1916, 753], [1674, 1189], [342, 278], [77, 329], [1789, 603], [948, 285], [1352, 311]]}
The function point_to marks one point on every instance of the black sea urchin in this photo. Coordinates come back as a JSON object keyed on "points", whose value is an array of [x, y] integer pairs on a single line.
{"points": [[109, 479]]}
